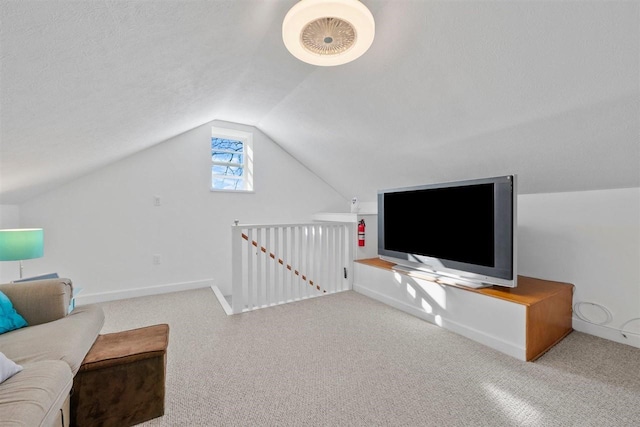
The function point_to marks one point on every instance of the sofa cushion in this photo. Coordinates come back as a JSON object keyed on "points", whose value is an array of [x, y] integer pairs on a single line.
{"points": [[34, 396], [67, 339], [10, 319]]}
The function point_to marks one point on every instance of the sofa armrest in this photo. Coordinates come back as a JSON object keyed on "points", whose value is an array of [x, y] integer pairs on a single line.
{"points": [[40, 301]]}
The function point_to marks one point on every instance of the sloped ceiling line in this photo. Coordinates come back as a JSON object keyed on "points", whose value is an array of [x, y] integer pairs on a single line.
{"points": [[447, 90]]}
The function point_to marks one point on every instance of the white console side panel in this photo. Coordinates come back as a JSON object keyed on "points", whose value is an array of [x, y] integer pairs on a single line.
{"points": [[493, 322]]}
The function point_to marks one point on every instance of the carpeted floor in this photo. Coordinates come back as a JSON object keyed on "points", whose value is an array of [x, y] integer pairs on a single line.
{"points": [[348, 360]]}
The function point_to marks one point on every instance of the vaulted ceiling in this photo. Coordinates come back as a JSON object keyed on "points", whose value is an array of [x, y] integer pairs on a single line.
{"points": [[449, 90]]}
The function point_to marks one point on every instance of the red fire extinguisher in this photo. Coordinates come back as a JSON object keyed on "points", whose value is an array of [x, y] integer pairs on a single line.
{"points": [[361, 233]]}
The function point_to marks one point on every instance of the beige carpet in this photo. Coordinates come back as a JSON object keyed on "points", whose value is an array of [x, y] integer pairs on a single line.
{"points": [[347, 360]]}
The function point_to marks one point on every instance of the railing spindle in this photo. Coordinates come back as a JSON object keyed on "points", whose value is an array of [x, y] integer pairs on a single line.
{"points": [[277, 264]]}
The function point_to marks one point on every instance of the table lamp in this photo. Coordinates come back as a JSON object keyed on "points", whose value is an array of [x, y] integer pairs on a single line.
{"points": [[21, 244]]}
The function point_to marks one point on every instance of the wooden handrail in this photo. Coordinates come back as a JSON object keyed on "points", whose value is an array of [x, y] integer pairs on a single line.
{"points": [[281, 262]]}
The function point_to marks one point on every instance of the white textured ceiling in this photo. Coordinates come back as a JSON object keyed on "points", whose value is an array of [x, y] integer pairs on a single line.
{"points": [[548, 90]]}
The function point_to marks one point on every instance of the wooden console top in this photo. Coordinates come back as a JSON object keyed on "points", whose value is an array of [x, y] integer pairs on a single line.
{"points": [[528, 292]]}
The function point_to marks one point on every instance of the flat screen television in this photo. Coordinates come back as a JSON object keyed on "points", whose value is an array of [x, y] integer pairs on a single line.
{"points": [[463, 231]]}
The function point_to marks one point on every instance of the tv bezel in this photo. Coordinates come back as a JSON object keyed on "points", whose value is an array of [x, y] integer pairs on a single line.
{"points": [[462, 273]]}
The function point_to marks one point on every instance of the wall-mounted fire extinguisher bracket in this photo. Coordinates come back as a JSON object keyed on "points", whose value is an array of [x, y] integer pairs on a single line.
{"points": [[361, 233]]}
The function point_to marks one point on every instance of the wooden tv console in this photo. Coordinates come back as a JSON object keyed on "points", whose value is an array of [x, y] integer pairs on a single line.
{"points": [[523, 322]]}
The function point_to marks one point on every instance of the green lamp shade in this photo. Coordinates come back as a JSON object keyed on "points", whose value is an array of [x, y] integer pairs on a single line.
{"points": [[19, 244]]}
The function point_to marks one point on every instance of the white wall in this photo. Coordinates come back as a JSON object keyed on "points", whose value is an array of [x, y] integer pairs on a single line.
{"points": [[102, 230], [9, 216], [592, 240]]}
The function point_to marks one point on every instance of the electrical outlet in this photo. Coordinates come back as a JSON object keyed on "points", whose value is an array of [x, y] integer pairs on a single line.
{"points": [[156, 201], [156, 259]]}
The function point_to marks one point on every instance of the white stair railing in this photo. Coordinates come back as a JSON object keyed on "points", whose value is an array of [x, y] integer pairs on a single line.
{"points": [[276, 264]]}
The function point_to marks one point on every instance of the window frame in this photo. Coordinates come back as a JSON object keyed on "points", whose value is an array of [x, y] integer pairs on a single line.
{"points": [[247, 155]]}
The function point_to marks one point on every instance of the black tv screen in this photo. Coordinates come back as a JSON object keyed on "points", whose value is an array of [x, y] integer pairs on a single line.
{"points": [[465, 228]]}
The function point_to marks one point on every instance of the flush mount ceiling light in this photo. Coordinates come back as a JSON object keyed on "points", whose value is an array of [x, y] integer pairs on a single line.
{"points": [[328, 32]]}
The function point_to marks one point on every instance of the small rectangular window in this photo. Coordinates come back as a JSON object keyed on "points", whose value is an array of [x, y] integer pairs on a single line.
{"points": [[231, 160]]}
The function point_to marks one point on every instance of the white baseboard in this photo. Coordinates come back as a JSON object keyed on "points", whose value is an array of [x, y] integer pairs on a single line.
{"points": [[229, 310], [141, 292], [608, 333], [223, 301], [494, 342]]}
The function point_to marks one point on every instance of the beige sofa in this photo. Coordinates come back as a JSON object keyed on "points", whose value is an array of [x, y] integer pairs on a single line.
{"points": [[50, 350]]}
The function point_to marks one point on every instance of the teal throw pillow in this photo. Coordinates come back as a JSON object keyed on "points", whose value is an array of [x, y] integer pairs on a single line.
{"points": [[9, 317]]}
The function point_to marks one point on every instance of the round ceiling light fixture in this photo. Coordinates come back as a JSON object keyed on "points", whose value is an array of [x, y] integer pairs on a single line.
{"points": [[328, 32]]}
